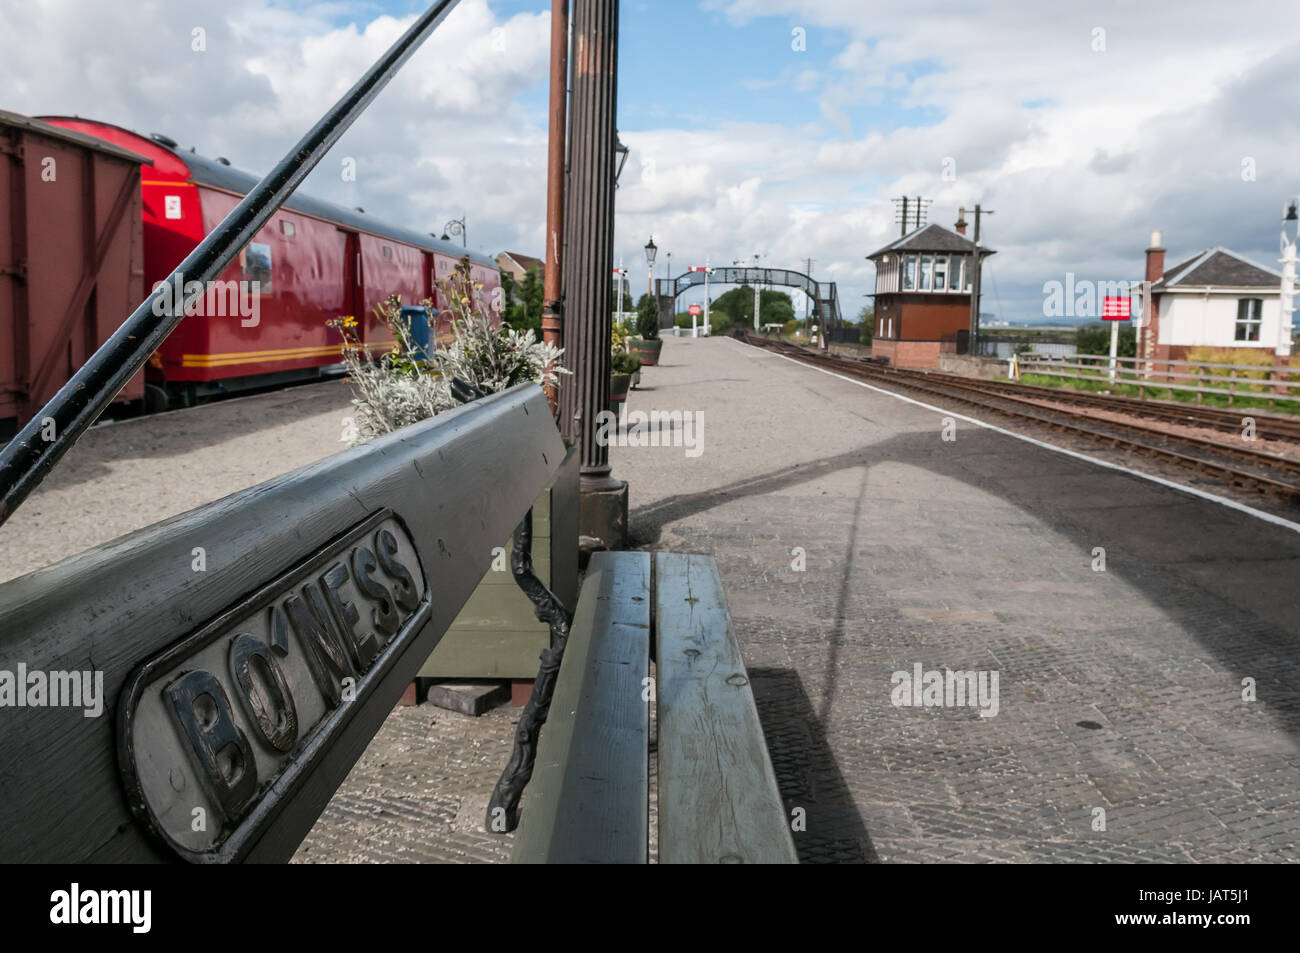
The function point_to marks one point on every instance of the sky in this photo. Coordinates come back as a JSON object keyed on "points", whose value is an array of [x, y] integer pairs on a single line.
{"points": [[781, 128]]}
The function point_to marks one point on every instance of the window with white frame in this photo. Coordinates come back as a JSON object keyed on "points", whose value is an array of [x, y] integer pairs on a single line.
{"points": [[1249, 311], [909, 273], [940, 272], [927, 273]]}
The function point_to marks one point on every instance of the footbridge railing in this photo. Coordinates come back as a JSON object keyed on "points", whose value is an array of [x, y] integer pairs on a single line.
{"points": [[823, 293]]}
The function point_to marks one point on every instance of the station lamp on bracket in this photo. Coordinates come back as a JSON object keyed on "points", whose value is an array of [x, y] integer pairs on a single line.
{"points": [[621, 151]]}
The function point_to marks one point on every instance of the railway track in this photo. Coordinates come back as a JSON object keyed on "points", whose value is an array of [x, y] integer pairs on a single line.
{"points": [[1238, 466], [1268, 426]]}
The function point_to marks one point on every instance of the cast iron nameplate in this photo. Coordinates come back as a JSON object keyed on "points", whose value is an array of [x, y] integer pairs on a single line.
{"points": [[216, 734]]}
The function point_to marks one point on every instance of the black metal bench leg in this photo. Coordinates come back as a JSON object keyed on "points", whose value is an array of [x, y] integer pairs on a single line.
{"points": [[503, 808]]}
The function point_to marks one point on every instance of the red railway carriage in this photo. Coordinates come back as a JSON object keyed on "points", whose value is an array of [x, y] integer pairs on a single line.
{"points": [[265, 320]]}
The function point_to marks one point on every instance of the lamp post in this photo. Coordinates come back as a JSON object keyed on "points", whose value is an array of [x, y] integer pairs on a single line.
{"points": [[1290, 231], [708, 270], [651, 249], [456, 227], [620, 273]]}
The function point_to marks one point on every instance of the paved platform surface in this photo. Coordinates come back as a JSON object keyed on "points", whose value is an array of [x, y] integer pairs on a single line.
{"points": [[1120, 691]]}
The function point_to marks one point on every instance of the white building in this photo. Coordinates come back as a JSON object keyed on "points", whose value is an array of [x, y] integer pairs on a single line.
{"points": [[1216, 299]]}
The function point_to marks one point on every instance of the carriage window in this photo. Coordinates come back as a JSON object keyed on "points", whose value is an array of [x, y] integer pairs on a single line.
{"points": [[286, 228], [388, 251], [256, 262]]}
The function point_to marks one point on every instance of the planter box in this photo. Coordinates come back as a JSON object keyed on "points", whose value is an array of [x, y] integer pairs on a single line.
{"points": [[648, 351], [618, 385], [497, 634]]}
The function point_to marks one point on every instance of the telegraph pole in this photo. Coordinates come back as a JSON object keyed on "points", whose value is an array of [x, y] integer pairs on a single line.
{"points": [[912, 210], [975, 283]]}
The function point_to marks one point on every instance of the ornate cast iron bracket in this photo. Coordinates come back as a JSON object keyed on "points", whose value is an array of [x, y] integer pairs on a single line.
{"points": [[503, 808]]}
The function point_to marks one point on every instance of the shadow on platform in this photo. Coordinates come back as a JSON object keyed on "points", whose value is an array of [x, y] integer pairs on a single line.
{"points": [[807, 773]]}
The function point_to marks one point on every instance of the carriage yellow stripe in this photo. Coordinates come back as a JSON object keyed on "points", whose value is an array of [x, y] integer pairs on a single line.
{"points": [[262, 356]]}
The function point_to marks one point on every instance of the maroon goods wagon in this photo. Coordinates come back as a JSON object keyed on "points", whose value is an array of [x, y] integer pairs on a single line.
{"points": [[71, 258]]}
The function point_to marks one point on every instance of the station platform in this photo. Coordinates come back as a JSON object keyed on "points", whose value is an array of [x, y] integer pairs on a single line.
{"points": [[1146, 711], [1121, 691]]}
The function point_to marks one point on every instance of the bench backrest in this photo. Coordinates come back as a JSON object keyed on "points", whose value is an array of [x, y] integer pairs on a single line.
{"points": [[237, 696]]}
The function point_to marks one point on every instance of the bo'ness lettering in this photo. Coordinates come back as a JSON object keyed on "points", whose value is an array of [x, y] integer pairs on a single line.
{"points": [[216, 720]]}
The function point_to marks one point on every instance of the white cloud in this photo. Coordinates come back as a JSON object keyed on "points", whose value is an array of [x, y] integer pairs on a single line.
{"points": [[1080, 151], [447, 137]]}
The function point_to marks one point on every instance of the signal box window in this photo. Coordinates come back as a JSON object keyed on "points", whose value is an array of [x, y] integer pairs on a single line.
{"points": [[1249, 312]]}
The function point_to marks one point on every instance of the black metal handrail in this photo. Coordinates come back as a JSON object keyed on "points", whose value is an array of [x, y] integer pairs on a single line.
{"points": [[30, 456]]}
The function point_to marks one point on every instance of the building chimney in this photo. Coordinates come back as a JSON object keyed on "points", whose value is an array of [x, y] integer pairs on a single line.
{"points": [[1155, 257], [961, 221]]}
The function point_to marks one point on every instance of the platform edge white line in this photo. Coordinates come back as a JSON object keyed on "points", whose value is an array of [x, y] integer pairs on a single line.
{"points": [[1182, 488]]}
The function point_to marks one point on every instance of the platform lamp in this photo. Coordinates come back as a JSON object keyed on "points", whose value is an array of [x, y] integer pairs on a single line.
{"points": [[457, 227], [651, 249], [621, 151], [1290, 232]]}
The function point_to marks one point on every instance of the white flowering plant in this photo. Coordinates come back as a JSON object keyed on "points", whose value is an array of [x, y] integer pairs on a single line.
{"points": [[404, 386]]}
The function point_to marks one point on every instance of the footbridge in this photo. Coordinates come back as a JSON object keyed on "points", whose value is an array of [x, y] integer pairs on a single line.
{"points": [[825, 297]]}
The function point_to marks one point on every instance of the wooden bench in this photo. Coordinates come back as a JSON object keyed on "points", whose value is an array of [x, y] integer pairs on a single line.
{"points": [[588, 801], [247, 651]]}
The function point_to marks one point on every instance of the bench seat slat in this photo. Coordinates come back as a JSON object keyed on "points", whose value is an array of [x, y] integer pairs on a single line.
{"points": [[588, 800], [718, 797]]}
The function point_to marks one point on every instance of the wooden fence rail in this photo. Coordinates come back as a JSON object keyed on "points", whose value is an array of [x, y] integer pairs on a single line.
{"points": [[1271, 382]]}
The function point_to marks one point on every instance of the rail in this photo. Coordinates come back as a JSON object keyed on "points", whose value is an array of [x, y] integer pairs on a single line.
{"points": [[1254, 382], [42, 442]]}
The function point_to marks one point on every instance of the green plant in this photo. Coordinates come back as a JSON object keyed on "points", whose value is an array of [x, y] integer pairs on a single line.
{"points": [[1095, 339], [625, 363], [647, 318], [397, 389], [524, 302], [618, 335], [866, 324]]}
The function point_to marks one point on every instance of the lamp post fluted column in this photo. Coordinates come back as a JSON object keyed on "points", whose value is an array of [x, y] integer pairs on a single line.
{"points": [[589, 262]]}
